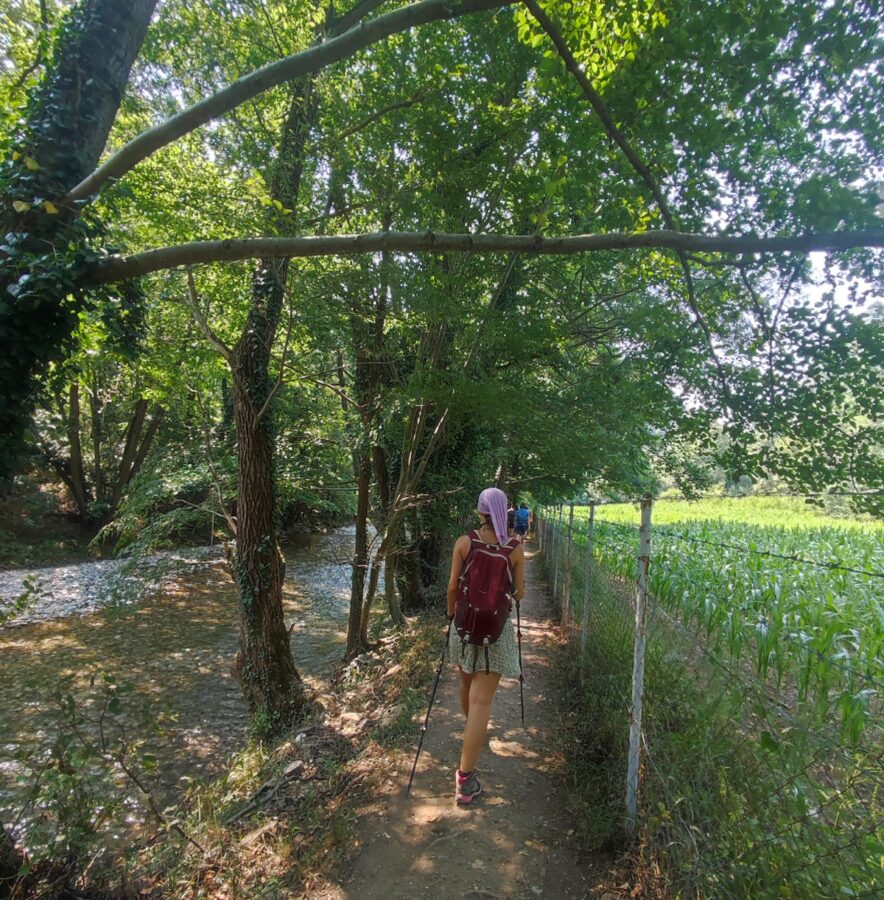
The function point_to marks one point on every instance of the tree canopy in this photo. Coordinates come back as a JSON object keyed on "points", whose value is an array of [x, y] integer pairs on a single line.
{"points": [[552, 245]]}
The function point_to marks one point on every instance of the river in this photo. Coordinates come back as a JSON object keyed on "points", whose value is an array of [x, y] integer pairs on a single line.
{"points": [[167, 626]]}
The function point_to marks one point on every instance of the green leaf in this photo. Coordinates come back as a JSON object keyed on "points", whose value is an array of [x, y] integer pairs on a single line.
{"points": [[768, 741]]}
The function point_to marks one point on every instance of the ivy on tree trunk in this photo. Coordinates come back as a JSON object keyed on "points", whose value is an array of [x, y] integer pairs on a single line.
{"points": [[66, 126], [264, 664]]}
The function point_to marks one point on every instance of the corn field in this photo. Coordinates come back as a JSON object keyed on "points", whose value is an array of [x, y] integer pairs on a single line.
{"points": [[785, 627]]}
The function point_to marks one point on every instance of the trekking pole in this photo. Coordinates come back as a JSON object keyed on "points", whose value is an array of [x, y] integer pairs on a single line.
{"points": [[432, 698], [521, 675]]}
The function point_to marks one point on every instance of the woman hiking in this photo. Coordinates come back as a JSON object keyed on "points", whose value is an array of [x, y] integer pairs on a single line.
{"points": [[482, 643]]}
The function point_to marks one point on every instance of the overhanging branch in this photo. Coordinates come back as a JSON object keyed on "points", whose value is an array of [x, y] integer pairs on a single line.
{"points": [[120, 268], [295, 66]]}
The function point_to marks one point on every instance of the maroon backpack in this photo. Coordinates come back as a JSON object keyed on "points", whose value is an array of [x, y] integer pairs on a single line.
{"points": [[484, 594]]}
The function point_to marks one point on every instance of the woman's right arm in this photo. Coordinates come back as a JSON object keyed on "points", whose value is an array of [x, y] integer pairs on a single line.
{"points": [[458, 558], [518, 563]]}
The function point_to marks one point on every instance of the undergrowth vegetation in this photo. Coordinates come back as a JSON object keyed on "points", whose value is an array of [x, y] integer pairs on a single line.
{"points": [[757, 779], [261, 830]]}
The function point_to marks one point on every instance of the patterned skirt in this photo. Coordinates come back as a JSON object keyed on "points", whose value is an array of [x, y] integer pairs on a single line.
{"points": [[503, 655]]}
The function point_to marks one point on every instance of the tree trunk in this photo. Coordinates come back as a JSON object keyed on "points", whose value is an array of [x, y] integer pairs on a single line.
{"points": [[90, 75], [394, 608], [264, 665], [67, 124], [369, 350], [146, 443], [432, 556], [362, 470], [408, 568], [374, 576], [133, 435], [382, 475], [77, 481], [96, 409]]}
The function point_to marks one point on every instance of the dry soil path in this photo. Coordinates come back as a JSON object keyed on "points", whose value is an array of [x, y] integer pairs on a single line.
{"points": [[516, 840]]}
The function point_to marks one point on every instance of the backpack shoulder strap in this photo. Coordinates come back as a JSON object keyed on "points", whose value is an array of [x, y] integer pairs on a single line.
{"points": [[475, 540]]}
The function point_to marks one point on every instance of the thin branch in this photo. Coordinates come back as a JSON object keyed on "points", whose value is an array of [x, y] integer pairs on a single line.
{"points": [[216, 480], [347, 20], [272, 27], [278, 385], [38, 59], [619, 138], [595, 100], [377, 114], [345, 397], [202, 322], [26, 73], [120, 268]]}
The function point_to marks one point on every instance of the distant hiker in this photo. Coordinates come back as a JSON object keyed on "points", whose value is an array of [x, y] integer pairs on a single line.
{"points": [[523, 520], [487, 575], [510, 521]]}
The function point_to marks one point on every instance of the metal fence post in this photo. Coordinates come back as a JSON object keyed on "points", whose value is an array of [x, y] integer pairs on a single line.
{"points": [[587, 576], [638, 667], [569, 557], [556, 542]]}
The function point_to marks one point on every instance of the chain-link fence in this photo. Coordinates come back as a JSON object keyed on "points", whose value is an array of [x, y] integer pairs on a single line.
{"points": [[761, 757]]}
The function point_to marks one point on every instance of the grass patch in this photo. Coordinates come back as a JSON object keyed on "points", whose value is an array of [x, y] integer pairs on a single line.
{"points": [[779, 513]]}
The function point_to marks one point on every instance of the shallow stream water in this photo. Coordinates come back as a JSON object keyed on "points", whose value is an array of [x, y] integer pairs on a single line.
{"points": [[174, 643]]}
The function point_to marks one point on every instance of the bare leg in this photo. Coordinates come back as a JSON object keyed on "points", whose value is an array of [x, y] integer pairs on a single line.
{"points": [[481, 694], [465, 681]]}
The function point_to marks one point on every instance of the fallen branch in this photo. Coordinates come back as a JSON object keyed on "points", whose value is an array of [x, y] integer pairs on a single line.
{"points": [[446, 837]]}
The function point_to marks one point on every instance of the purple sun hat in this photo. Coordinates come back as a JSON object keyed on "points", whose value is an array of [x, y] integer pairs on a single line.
{"points": [[493, 502]]}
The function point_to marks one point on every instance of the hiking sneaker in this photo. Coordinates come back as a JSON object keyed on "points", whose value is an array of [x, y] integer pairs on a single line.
{"points": [[467, 787]]}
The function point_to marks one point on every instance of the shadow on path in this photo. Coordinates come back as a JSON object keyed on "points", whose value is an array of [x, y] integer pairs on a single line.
{"points": [[514, 841]]}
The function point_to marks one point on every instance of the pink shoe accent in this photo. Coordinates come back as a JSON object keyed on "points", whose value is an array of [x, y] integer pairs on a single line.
{"points": [[467, 787]]}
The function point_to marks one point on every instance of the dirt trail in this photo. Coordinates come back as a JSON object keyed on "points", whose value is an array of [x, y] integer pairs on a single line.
{"points": [[515, 841]]}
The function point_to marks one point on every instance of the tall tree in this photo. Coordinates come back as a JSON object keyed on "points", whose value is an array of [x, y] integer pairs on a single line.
{"points": [[65, 128]]}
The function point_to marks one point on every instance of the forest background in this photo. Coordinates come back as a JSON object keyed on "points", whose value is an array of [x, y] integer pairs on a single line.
{"points": [[706, 149]]}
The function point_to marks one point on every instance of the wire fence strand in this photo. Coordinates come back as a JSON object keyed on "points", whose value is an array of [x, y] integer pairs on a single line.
{"points": [[809, 807]]}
